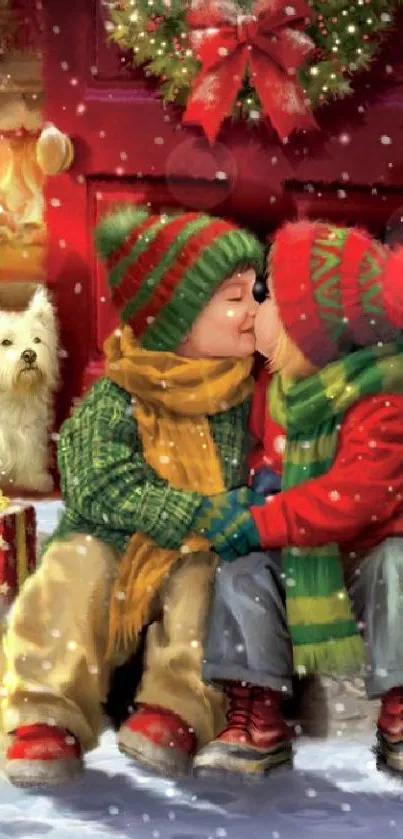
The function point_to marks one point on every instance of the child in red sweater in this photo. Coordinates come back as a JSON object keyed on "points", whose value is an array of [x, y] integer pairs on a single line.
{"points": [[329, 572]]}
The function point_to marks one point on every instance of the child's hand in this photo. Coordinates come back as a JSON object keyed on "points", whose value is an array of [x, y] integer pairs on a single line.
{"points": [[227, 523], [217, 511]]}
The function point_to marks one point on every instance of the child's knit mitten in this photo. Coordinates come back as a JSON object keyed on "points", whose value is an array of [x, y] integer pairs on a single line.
{"points": [[226, 522]]}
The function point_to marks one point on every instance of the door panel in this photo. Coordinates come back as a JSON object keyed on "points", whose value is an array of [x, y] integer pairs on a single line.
{"points": [[108, 64], [375, 208]]}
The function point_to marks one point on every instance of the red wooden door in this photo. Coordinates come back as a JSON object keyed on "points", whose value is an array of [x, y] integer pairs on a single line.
{"points": [[127, 146]]}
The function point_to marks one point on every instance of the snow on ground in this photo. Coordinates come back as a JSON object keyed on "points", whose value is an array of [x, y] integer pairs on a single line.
{"points": [[334, 792]]}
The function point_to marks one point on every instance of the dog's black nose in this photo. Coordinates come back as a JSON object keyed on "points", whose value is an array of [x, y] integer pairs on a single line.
{"points": [[29, 356]]}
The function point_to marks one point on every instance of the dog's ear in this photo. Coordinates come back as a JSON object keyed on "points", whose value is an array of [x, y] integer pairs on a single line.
{"points": [[41, 306]]}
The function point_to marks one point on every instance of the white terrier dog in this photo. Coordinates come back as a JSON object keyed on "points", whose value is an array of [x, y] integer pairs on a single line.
{"points": [[29, 368]]}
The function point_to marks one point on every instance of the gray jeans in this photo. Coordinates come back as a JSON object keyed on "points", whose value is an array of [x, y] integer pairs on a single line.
{"points": [[248, 638]]}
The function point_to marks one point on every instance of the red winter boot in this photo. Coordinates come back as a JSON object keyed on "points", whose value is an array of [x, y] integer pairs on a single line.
{"points": [[158, 739], [255, 739], [390, 730], [42, 755]]}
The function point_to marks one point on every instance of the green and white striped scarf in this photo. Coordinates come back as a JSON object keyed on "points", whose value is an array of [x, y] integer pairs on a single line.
{"points": [[323, 629]]}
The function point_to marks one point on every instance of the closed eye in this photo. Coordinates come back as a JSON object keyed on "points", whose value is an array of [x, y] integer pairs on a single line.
{"points": [[6, 342]]}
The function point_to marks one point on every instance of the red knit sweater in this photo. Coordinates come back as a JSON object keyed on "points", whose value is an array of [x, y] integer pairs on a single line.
{"points": [[358, 502]]}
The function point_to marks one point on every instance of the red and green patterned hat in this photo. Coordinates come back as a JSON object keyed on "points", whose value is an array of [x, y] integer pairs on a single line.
{"points": [[162, 269], [336, 289]]}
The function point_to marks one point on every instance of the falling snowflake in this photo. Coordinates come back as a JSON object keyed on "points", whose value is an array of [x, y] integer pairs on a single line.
{"points": [[279, 443]]}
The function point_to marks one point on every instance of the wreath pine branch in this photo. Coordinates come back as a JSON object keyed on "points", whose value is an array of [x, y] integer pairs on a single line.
{"points": [[347, 33]]}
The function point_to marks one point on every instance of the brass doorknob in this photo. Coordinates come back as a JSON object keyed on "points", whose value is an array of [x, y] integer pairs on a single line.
{"points": [[54, 151]]}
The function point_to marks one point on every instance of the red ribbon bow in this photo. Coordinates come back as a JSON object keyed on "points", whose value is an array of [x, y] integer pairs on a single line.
{"points": [[271, 43]]}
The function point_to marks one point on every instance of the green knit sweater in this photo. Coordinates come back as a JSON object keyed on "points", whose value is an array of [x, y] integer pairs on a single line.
{"points": [[110, 491]]}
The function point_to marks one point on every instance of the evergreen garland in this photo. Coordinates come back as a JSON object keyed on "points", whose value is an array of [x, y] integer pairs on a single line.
{"points": [[347, 34]]}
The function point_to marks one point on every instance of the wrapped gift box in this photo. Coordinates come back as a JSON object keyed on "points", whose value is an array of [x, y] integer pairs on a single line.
{"points": [[17, 547]]}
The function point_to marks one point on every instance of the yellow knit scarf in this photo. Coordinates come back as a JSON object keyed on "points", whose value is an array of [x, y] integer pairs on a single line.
{"points": [[172, 397]]}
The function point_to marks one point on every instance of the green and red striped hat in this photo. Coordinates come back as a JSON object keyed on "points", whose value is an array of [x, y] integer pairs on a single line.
{"points": [[163, 269], [336, 289]]}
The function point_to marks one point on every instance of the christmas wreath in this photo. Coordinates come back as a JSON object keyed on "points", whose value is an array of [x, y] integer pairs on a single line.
{"points": [[274, 58]]}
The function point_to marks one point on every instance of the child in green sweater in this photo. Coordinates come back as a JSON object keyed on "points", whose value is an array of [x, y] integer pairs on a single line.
{"points": [[155, 443]]}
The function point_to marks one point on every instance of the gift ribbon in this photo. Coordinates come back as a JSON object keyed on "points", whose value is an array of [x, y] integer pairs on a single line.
{"points": [[21, 548], [271, 45], [4, 502], [20, 540]]}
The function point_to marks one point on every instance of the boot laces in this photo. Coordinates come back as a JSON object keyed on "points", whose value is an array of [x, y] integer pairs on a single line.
{"points": [[251, 707], [240, 702], [393, 702]]}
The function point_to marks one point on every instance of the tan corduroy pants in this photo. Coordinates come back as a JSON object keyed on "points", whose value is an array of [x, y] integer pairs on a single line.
{"points": [[175, 649], [56, 670]]}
